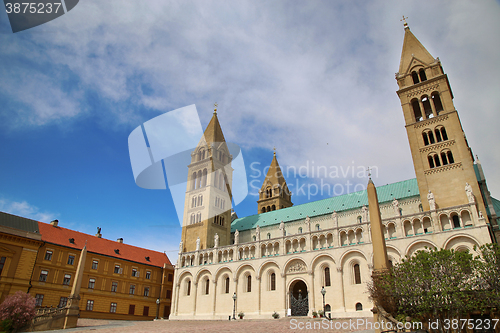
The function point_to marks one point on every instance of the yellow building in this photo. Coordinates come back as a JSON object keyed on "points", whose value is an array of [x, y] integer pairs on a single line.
{"points": [[19, 243], [120, 281]]}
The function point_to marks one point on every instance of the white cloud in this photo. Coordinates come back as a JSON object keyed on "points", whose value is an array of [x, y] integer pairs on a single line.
{"points": [[27, 210]]}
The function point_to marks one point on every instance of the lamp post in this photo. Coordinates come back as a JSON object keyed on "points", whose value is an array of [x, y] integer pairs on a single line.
{"points": [[157, 307], [323, 292], [234, 306]]}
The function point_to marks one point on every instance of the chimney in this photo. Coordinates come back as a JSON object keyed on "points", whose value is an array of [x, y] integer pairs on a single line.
{"points": [[120, 240], [54, 223]]}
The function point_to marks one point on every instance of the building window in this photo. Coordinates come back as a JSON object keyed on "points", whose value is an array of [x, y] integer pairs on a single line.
{"points": [[2, 263], [131, 309], [67, 279], [146, 291], [359, 307], [268, 235], [273, 281], [207, 286], [48, 255], [188, 289], [249, 283], [169, 294], [114, 286], [300, 230], [145, 312], [148, 275], [416, 110], [317, 227], [43, 275], [91, 283], [135, 272], [38, 300], [170, 277], [422, 75], [62, 302], [327, 277], [414, 76], [360, 219], [117, 269], [357, 274], [131, 290], [227, 285], [112, 308], [71, 260], [95, 263]]}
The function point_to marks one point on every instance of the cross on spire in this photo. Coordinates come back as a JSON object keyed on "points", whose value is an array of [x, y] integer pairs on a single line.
{"points": [[369, 169], [404, 20], [215, 107], [274, 151]]}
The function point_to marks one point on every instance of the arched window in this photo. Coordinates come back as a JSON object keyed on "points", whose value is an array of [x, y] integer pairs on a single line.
{"points": [[249, 283], [328, 308], [273, 207], [192, 220], [431, 137], [254, 238], [427, 107], [359, 307], [193, 202], [300, 230], [263, 209], [360, 219], [198, 180], [438, 135], [221, 181], [268, 208], [420, 208], [444, 158], [400, 211], [436, 160], [227, 285], [431, 161], [443, 133], [216, 178], [456, 221], [437, 102], [450, 157], [357, 274], [188, 289], [207, 286], [198, 217], [200, 200], [422, 75], [193, 183], [268, 235], [327, 277], [204, 178], [426, 138], [416, 109], [273, 281], [414, 76], [317, 227]]}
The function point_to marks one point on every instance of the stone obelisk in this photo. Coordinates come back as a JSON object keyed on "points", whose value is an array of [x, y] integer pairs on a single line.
{"points": [[73, 308]]}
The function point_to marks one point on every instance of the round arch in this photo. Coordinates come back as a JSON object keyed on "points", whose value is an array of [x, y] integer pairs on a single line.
{"points": [[200, 273], [418, 245], [261, 268], [287, 263]]}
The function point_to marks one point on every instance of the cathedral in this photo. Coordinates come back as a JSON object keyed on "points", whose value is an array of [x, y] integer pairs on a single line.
{"points": [[295, 260]]}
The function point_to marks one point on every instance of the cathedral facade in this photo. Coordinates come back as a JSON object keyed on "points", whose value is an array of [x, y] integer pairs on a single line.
{"points": [[294, 260]]}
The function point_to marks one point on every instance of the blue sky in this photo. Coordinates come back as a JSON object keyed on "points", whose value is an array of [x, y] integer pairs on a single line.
{"points": [[315, 79]]}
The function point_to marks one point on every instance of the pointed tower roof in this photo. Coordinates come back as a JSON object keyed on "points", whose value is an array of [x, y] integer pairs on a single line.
{"points": [[412, 48], [274, 174], [213, 132]]}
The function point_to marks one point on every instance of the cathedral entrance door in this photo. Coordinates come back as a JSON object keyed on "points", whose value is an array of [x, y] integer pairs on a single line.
{"points": [[299, 300]]}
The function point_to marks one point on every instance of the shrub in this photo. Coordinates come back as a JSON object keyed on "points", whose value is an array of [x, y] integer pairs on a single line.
{"points": [[17, 311], [315, 314], [276, 315]]}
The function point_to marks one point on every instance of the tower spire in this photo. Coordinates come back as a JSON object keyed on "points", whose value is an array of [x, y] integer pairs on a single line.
{"points": [[405, 23]]}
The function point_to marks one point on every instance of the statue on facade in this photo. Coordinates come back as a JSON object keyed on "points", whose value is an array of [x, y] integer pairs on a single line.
{"points": [[432, 201], [98, 230], [181, 246], [257, 234], [364, 211], [236, 236], [198, 244], [470, 195], [395, 205], [308, 224], [335, 219], [216, 240], [282, 229]]}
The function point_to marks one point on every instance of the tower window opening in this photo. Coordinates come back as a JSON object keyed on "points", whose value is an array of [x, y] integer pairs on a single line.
{"points": [[431, 137], [427, 107], [438, 135], [273, 281], [273, 207], [450, 157], [327, 277], [188, 288], [416, 110], [443, 134], [263, 209], [436, 161], [227, 285], [437, 102], [268, 236], [443, 158], [249, 283], [431, 162], [268, 208], [207, 286], [357, 274], [422, 75], [198, 181], [426, 139], [456, 221], [414, 76]]}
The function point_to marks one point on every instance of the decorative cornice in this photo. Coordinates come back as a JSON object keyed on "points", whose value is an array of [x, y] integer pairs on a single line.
{"points": [[443, 168], [436, 146], [423, 89], [430, 121]]}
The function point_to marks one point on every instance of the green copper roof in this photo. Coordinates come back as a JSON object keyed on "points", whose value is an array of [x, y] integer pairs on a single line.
{"points": [[496, 207], [400, 190]]}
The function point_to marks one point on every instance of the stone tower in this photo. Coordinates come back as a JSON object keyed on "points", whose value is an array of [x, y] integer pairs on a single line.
{"points": [[207, 206], [442, 158], [274, 193]]}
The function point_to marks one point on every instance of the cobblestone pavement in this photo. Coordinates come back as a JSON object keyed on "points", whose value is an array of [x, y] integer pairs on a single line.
{"points": [[247, 325]]}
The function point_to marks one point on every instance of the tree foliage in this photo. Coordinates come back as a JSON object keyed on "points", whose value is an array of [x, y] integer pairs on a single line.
{"points": [[17, 311], [440, 284]]}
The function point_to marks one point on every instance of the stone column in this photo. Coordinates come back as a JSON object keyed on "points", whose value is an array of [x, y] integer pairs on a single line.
{"points": [[259, 286], [214, 281], [195, 285]]}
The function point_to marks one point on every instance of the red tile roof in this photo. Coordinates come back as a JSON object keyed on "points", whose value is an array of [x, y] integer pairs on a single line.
{"points": [[62, 236]]}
